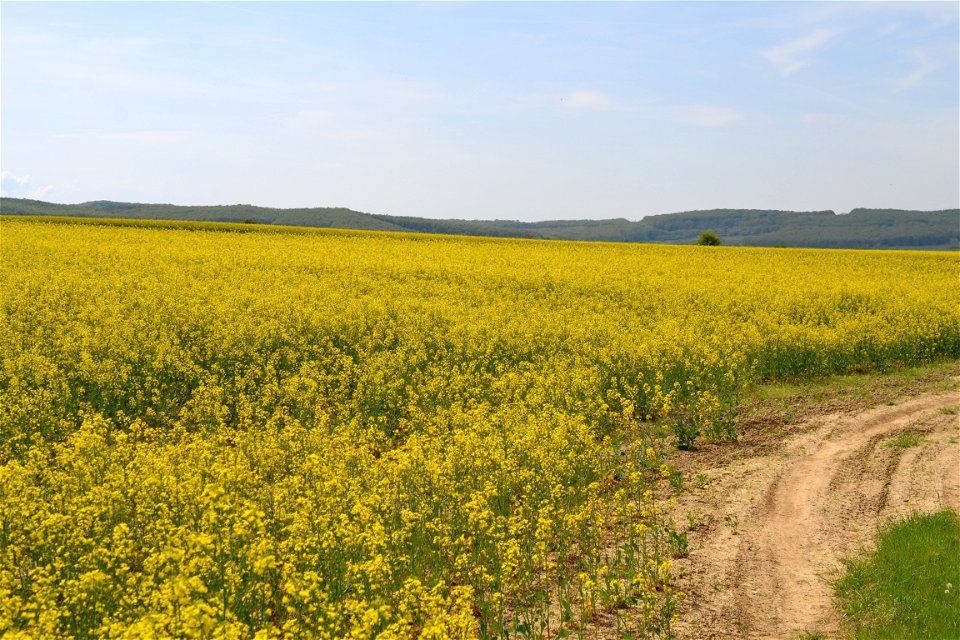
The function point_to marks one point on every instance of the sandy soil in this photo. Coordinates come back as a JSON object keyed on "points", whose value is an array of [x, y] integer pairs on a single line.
{"points": [[769, 521]]}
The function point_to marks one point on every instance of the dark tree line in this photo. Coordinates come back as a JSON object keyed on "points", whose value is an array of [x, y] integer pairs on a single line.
{"points": [[861, 228]]}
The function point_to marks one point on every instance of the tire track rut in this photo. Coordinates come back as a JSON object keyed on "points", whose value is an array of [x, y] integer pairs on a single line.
{"points": [[764, 571]]}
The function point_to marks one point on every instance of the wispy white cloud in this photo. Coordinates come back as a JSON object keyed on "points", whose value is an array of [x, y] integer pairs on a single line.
{"points": [[16, 186], [234, 6], [889, 29], [314, 116], [924, 68], [116, 79], [407, 91], [28, 39], [708, 116], [41, 192], [793, 55], [117, 47], [9, 176], [591, 100], [135, 137]]}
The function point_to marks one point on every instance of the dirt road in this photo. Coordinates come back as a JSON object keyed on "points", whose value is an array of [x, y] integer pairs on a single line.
{"points": [[767, 528]]}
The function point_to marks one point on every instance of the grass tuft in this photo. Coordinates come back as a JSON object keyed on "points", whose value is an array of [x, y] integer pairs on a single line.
{"points": [[906, 440], [910, 587]]}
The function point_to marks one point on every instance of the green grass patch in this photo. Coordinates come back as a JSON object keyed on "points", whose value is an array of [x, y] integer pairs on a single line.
{"points": [[776, 404], [906, 440], [874, 386], [910, 587]]}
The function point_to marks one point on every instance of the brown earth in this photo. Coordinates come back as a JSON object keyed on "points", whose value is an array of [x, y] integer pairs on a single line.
{"points": [[770, 517]]}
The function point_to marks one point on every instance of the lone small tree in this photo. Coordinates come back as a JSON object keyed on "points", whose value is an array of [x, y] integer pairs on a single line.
{"points": [[708, 239]]}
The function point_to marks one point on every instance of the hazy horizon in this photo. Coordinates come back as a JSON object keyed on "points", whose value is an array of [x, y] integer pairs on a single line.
{"points": [[532, 220], [511, 111]]}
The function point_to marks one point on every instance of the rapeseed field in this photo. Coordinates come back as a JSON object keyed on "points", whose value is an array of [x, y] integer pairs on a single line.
{"points": [[211, 431]]}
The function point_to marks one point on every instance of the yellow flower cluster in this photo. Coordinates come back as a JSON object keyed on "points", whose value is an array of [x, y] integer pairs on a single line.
{"points": [[208, 433]]}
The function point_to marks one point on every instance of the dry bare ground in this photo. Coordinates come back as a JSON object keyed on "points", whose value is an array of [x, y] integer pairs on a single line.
{"points": [[771, 516]]}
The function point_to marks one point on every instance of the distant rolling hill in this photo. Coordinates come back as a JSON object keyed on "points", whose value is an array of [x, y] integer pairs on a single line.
{"points": [[860, 229], [338, 218]]}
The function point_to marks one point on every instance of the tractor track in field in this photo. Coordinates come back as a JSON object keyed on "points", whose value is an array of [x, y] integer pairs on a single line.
{"points": [[769, 524]]}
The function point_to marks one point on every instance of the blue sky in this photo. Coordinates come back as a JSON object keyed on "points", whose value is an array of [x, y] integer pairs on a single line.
{"points": [[526, 111]]}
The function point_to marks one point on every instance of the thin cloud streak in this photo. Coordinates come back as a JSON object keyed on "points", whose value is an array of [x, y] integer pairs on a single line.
{"points": [[793, 55], [594, 100], [708, 116], [917, 75], [138, 137]]}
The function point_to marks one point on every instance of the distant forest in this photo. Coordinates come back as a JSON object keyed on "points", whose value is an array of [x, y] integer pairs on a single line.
{"points": [[859, 229]]}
